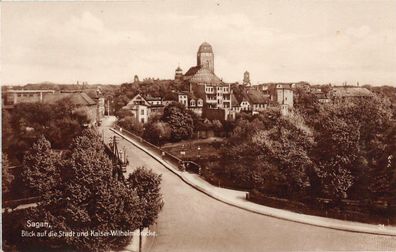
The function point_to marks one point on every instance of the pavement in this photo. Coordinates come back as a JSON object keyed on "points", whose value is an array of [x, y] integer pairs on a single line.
{"points": [[200, 217]]}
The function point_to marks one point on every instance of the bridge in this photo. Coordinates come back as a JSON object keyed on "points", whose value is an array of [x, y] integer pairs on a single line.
{"points": [[193, 221]]}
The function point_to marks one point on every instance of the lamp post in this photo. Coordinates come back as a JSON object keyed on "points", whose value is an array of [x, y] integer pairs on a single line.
{"points": [[199, 151]]}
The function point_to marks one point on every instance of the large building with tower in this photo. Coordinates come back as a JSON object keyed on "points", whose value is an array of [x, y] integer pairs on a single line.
{"points": [[202, 84]]}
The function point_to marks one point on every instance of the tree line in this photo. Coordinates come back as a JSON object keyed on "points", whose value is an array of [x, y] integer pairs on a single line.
{"points": [[338, 151]]}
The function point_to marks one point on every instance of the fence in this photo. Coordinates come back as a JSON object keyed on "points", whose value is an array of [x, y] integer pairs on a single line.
{"points": [[165, 155]]}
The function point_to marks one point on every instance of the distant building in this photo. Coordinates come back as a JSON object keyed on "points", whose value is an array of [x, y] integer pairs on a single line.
{"points": [[252, 100], [302, 85], [178, 73], [204, 86], [80, 99], [341, 93], [246, 79], [12, 97], [205, 56], [191, 102], [182, 98], [144, 107], [139, 108], [284, 97]]}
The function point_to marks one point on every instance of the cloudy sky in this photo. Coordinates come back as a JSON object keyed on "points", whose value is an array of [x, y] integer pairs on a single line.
{"points": [[110, 42]]}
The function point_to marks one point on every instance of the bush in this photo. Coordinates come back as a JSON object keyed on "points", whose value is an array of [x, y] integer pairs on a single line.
{"points": [[131, 124]]}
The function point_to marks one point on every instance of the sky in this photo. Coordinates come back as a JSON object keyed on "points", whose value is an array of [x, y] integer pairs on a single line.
{"points": [[276, 41]]}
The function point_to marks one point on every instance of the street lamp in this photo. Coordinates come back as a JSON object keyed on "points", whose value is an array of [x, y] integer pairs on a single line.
{"points": [[199, 151]]}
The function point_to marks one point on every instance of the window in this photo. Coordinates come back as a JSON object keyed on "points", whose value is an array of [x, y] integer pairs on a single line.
{"points": [[142, 112]]}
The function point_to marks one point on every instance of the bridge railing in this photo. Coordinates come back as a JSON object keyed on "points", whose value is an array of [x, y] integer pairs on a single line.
{"points": [[158, 150]]}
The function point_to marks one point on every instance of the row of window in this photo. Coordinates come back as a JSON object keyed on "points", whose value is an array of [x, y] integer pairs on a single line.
{"points": [[219, 89]]}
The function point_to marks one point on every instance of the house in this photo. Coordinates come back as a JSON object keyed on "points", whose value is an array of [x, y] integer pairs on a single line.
{"points": [[139, 107], [251, 100], [144, 107], [321, 96], [156, 105], [80, 99], [342, 93]]}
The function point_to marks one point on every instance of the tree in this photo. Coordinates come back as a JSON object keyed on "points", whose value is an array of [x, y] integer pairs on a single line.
{"points": [[287, 146], [335, 176], [157, 132], [179, 120], [7, 177], [87, 198], [130, 123], [40, 163], [7, 131], [147, 185]]}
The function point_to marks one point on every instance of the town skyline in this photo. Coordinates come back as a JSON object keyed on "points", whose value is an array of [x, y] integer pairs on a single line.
{"points": [[110, 42]]}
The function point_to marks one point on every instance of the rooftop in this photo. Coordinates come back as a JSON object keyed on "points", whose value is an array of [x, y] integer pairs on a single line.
{"points": [[79, 99], [348, 91], [205, 47]]}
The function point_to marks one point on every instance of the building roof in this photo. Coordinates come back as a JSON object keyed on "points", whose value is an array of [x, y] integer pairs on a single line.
{"points": [[346, 91], [205, 47], [151, 98], [193, 70], [202, 75], [256, 97], [79, 99], [234, 101]]}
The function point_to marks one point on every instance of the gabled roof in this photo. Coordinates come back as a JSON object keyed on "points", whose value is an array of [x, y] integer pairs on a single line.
{"points": [[193, 70], [78, 99], [256, 97], [136, 100]]}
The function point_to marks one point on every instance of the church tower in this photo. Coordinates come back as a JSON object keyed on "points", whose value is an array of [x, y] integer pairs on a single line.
{"points": [[178, 73], [205, 56], [246, 78]]}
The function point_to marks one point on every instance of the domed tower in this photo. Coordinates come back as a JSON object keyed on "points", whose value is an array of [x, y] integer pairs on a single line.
{"points": [[178, 73], [205, 56]]}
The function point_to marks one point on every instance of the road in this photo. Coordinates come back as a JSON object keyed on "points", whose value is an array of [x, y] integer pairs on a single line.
{"points": [[193, 221]]}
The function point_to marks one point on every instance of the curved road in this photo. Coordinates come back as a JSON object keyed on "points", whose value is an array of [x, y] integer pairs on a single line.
{"points": [[193, 221]]}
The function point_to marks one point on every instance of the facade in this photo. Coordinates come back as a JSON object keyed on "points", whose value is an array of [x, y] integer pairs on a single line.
{"points": [[139, 108], [12, 97], [192, 103], [183, 98], [284, 95], [144, 107]]}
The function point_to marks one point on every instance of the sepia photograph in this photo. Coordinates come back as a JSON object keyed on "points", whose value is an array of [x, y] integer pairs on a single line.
{"points": [[190, 126]]}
